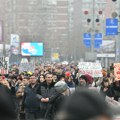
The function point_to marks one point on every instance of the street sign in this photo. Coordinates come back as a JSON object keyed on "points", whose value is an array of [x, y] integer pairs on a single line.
{"points": [[87, 39], [55, 56], [98, 40], [111, 26]]}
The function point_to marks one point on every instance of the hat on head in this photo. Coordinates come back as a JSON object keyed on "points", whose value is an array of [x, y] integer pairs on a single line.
{"points": [[85, 104], [67, 74], [83, 77], [61, 86], [89, 78]]}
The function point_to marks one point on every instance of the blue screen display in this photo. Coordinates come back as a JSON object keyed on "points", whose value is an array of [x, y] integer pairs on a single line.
{"points": [[32, 49]]}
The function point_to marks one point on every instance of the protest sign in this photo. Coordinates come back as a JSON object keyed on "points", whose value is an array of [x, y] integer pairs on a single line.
{"points": [[112, 102], [90, 68], [15, 44], [4, 65], [26, 67], [117, 71], [3, 71]]}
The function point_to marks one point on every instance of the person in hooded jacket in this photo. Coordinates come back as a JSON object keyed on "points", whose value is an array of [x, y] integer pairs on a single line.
{"points": [[57, 100], [85, 104]]}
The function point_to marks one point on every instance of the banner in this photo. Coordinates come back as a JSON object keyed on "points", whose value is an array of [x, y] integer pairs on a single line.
{"points": [[3, 71], [4, 65], [117, 71], [55, 57], [93, 69], [26, 67], [15, 44]]}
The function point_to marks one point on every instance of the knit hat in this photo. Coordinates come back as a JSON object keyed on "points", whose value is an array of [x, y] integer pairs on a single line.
{"points": [[85, 104], [87, 78], [61, 86], [67, 74]]}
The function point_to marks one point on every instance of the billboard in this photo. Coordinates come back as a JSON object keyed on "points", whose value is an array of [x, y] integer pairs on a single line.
{"points": [[1, 31], [32, 49], [15, 44], [107, 46]]}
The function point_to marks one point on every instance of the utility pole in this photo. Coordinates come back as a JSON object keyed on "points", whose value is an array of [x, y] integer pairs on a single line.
{"points": [[119, 33], [118, 36], [3, 40], [93, 27]]}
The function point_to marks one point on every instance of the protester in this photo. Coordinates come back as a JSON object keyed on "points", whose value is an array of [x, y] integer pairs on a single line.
{"points": [[85, 105], [57, 100], [44, 92], [70, 83], [116, 86], [7, 104], [107, 89], [39, 97], [19, 96], [41, 78], [83, 81], [30, 101]]}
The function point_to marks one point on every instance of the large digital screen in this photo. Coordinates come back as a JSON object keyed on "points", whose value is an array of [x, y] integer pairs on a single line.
{"points": [[32, 49]]}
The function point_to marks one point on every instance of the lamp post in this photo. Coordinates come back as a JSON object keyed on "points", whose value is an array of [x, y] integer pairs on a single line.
{"points": [[93, 26], [117, 58]]}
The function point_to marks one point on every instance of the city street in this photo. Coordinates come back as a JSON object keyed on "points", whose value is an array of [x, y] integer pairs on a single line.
{"points": [[60, 59]]}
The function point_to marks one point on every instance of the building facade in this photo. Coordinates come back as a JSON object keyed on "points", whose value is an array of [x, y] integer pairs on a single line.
{"points": [[47, 21]]}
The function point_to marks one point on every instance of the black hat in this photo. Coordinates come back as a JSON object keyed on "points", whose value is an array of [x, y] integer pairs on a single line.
{"points": [[85, 104]]}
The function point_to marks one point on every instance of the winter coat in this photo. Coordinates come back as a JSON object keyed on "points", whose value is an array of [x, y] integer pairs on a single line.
{"points": [[71, 86], [116, 91], [19, 96], [109, 92], [30, 101], [7, 104], [45, 91], [56, 102]]}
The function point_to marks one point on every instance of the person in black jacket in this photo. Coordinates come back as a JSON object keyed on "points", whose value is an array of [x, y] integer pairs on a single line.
{"points": [[85, 104], [30, 100], [106, 89], [44, 92], [7, 104], [57, 100], [116, 86]]}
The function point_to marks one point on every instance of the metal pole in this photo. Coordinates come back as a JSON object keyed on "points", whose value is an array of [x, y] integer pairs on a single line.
{"points": [[118, 39], [119, 34], [4, 51], [93, 26]]}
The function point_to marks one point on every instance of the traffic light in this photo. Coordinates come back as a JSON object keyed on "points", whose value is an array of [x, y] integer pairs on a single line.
{"points": [[114, 14], [100, 12], [97, 20], [88, 20], [86, 12]]}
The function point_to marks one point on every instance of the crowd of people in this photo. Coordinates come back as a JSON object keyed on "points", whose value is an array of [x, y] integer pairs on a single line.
{"points": [[42, 93]]}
